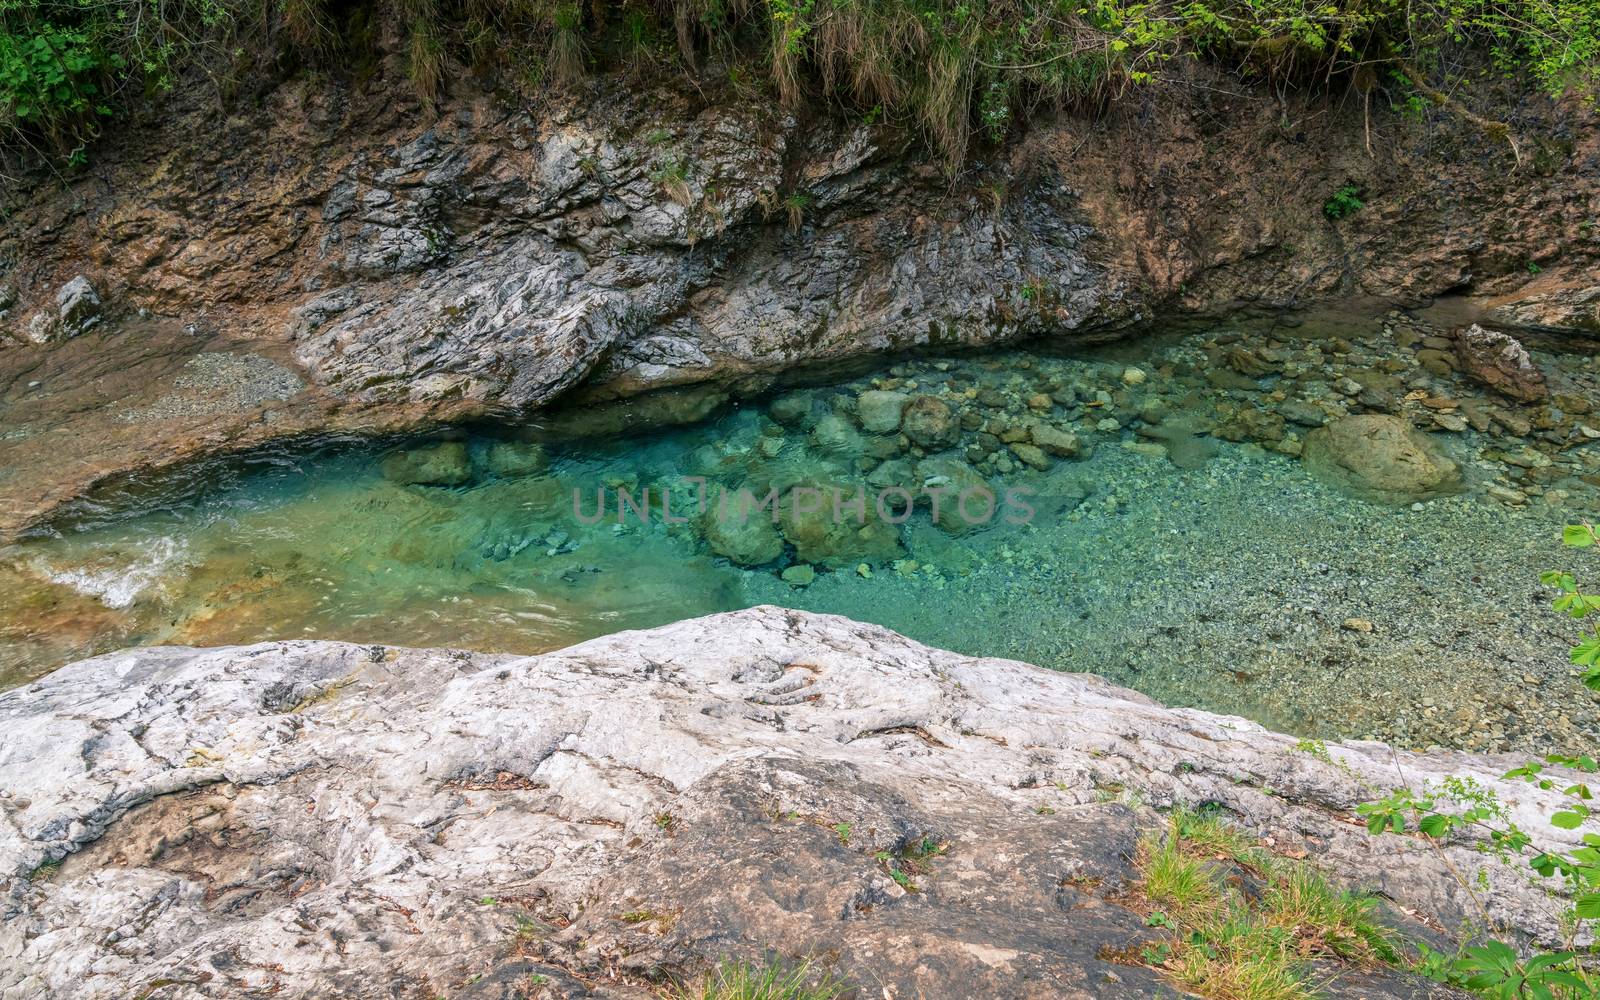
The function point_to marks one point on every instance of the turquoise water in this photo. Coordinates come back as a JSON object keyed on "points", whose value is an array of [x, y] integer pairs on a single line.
{"points": [[1233, 582]]}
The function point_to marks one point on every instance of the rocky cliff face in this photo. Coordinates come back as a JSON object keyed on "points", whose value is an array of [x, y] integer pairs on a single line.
{"points": [[307, 818], [402, 265]]}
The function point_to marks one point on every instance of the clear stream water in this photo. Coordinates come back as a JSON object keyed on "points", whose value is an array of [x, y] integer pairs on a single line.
{"points": [[1239, 584]]}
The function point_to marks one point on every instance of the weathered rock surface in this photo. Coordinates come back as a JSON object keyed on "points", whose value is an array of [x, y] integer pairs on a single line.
{"points": [[1564, 300], [1381, 457], [1500, 362], [318, 819]]}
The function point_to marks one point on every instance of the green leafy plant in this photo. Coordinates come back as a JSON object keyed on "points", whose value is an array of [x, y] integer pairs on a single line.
{"points": [[1573, 602], [1345, 202], [912, 859], [55, 80]]}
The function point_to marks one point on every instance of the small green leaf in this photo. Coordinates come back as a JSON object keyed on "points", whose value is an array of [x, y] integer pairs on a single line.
{"points": [[1566, 820], [1577, 536], [1435, 825]]}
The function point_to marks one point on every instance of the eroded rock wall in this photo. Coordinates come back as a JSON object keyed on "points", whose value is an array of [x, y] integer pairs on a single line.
{"points": [[632, 238]]}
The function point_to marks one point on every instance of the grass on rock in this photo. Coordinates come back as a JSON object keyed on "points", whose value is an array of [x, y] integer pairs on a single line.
{"points": [[774, 981], [1244, 925]]}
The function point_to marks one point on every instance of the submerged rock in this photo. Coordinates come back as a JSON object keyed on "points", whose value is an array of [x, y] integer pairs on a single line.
{"points": [[880, 411], [931, 423], [1500, 362], [328, 819], [1380, 457], [955, 480], [799, 575], [749, 540], [835, 436], [791, 409], [445, 464], [513, 459], [1060, 443], [1187, 443], [836, 537]]}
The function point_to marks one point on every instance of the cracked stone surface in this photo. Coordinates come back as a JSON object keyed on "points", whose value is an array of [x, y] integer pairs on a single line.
{"points": [[317, 818]]}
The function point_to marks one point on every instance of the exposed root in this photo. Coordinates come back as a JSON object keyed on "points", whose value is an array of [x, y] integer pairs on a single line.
{"points": [[1494, 129]]}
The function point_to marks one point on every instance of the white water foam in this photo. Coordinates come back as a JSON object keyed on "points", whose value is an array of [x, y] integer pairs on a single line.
{"points": [[120, 586]]}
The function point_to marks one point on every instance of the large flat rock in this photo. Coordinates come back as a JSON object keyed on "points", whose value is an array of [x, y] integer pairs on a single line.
{"points": [[316, 819]]}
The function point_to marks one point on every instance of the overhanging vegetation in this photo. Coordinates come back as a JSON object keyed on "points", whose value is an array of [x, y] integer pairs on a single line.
{"points": [[952, 69]]}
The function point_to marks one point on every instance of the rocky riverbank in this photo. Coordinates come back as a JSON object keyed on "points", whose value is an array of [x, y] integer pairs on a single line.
{"points": [[303, 818], [372, 265]]}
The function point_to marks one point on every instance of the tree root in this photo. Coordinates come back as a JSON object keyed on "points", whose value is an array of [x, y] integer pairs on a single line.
{"points": [[1491, 128]]}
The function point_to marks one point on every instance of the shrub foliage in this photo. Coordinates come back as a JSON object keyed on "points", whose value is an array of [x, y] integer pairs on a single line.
{"points": [[951, 68]]}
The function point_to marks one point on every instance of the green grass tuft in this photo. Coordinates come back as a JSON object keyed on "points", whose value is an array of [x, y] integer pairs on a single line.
{"points": [[1250, 935], [1177, 881], [742, 981]]}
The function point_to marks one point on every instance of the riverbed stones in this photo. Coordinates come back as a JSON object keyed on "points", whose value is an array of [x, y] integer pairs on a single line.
{"points": [[1055, 441], [930, 422], [1500, 362], [880, 410], [1380, 457], [445, 464]]}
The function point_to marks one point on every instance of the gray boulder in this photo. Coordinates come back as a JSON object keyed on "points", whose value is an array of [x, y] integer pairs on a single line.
{"points": [[78, 309], [77, 306], [328, 819]]}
